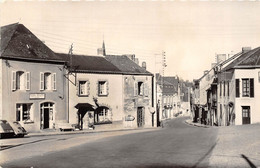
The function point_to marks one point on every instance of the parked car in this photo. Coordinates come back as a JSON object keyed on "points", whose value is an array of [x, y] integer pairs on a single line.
{"points": [[19, 131], [5, 129]]}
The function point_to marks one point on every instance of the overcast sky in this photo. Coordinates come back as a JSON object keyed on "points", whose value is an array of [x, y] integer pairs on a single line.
{"points": [[190, 33]]}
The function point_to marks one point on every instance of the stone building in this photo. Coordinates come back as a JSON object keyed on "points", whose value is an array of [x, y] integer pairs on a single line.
{"points": [[33, 88]]}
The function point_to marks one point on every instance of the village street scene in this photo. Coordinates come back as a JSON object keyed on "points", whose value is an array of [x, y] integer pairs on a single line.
{"points": [[129, 84]]}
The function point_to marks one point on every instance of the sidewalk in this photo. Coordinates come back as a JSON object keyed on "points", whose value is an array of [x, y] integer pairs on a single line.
{"points": [[189, 122], [238, 146], [84, 131]]}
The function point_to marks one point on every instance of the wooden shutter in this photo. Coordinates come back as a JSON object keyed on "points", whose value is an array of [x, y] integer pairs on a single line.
{"points": [[77, 88], [251, 87], [41, 81], [53, 81], [107, 87], [88, 87], [28, 81], [146, 91], [237, 88], [135, 88], [13, 80]]}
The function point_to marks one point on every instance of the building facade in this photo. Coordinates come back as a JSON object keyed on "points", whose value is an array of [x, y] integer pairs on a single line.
{"points": [[33, 88]]}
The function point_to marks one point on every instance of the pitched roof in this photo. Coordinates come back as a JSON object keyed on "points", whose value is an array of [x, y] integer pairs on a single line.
{"points": [[126, 66], [170, 83], [93, 64], [248, 59], [17, 42]]}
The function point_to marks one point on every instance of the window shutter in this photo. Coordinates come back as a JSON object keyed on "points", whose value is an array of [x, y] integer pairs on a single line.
{"points": [[28, 80], [77, 88], [135, 88], [251, 87], [13, 80], [146, 91], [54, 86], [98, 88], [107, 87], [41, 81], [237, 88], [88, 88]]}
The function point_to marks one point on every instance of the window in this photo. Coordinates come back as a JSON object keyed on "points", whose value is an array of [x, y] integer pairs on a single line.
{"points": [[220, 89], [21, 80], [83, 89], [102, 88], [245, 88], [140, 88], [23, 112], [102, 115], [224, 88], [48, 81], [228, 88]]}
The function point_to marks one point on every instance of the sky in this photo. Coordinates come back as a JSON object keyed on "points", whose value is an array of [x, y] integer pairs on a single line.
{"points": [[190, 33]]}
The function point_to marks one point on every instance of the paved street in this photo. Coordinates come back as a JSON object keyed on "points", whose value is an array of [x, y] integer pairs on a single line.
{"points": [[175, 145]]}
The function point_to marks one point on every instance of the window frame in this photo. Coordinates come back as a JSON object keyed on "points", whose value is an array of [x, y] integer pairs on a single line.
{"points": [[87, 88], [140, 88], [245, 87], [52, 81], [106, 88], [20, 113]]}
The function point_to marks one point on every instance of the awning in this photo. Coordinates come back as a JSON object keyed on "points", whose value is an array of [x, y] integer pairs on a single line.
{"points": [[85, 106]]}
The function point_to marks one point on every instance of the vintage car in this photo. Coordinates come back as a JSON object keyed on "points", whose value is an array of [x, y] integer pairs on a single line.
{"points": [[6, 130], [19, 131]]}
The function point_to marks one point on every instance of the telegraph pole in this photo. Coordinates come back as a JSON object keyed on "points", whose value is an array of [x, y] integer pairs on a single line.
{"points": [[162, 80], [70, 55]]}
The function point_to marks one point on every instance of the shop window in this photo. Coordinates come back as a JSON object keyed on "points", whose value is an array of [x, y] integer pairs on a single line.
{"points": [[23, 112]]}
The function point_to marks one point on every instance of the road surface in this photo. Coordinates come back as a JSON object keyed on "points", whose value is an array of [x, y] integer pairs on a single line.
{"points": [[175, 145]]}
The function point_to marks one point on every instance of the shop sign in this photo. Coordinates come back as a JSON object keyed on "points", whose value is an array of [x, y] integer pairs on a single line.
{"points": [[129, 118], [37, 96]]}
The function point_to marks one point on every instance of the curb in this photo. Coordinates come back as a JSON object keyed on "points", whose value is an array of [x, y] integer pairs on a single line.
{"points": [[196, 124], [83, 132]]}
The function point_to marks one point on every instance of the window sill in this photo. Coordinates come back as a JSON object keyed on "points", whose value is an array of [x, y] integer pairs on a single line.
{"points": [[28, 122], [83, 95], [103, 95], [103, 122]]}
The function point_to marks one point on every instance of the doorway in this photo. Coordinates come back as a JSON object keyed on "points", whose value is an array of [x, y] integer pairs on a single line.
{"points": [[47, 120], [246, 115], [140, 117]]}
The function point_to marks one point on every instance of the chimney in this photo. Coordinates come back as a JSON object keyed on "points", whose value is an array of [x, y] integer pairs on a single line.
{"points": [[136, 61], [213, 64], [220, 58], [144, 65], [245, 49], [130, 56]]}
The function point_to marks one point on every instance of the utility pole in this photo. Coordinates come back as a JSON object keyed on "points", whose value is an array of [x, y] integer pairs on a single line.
{"points": [[70, 55], [162, 80]]}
